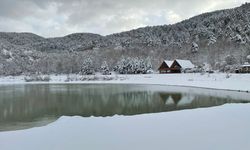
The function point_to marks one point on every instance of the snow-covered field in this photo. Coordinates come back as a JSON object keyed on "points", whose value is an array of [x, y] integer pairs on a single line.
{"points": [[239, 82], [218, 128]]}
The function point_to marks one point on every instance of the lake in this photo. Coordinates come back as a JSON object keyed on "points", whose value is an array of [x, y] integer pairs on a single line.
{"points": [[28, 106]]}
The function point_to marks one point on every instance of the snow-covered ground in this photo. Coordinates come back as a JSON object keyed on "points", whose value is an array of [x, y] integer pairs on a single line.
{"points": [[218, 128], [239, 82]]}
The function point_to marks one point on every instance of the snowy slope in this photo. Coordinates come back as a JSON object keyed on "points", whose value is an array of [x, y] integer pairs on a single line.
{"points": [[218, 128]]}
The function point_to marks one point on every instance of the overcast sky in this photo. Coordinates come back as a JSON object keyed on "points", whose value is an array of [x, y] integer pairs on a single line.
{"points": [[52, 18]]}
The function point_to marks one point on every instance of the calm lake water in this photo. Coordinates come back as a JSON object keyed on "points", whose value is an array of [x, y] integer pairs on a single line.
{"points": [[27, 106]]}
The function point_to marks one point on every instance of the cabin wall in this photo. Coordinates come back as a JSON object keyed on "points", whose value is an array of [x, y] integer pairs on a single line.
{"points": [[175, 68], [245, 69], [164, 68]]}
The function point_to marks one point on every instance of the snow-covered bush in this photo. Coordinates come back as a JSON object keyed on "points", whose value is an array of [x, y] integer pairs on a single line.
{"points": [[228, 75], [123, 66], [195, 47], [151, 71], [133, 66], [97, 78], [221, 66], [248, 58], [105, 68], [148, 65], [88, 67], [204, 68], [71, 78], [198, 69], [32, 78], [230, 60], [226, 66], [230, 68]]}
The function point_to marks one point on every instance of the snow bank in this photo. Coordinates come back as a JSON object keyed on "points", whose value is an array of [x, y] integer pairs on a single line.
{"points": [[239, 82], [218, 128]]}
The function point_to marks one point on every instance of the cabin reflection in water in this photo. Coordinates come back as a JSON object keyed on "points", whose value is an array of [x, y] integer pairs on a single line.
{"points": [[179, 101]]}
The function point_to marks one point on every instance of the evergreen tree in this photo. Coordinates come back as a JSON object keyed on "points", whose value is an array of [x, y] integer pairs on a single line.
{"points": [[87, 67], [105, 68]]}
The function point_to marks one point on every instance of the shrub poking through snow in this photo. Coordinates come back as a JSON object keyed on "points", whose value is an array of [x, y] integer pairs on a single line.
{"points": [[97, 78], [71, 78], [34, 78]]}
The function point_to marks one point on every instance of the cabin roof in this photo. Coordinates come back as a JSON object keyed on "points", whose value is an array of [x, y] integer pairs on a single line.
{"points": [[169, 62], [185, 63], [246, 65]]}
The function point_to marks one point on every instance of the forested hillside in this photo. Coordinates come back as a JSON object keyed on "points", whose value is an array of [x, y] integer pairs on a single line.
{"points": [[218, 38]]}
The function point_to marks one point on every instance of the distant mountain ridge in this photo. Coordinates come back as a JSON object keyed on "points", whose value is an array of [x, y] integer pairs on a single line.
{"points": [[207, 38]]}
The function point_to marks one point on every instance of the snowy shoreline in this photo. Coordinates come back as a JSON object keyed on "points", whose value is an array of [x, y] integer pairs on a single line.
{"points": [[228, 123], [219, 81]]}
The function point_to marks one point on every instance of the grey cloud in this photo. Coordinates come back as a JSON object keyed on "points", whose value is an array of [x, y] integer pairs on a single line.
{"points": [[60, 17]]}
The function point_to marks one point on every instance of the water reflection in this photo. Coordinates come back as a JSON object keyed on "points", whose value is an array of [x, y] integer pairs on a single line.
{"points": [[25, 106]]}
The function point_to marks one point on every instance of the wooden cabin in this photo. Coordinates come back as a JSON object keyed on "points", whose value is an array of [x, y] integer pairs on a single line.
{"points": [[180, 66], [243, 69], [165, 66], [176, 66]]}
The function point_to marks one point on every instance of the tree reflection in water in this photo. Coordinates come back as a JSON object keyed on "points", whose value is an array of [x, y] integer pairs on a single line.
{"points": [[25, 106]]}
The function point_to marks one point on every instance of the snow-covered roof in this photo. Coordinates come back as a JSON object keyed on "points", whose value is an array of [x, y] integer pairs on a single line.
{"points": [[169, 62], [246, 65], [185, 64]]}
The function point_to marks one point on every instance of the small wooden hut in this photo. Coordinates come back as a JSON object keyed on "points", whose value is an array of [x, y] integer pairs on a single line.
{"points": [[243, 69], [179, 66], [165, 66], [176, 66]]}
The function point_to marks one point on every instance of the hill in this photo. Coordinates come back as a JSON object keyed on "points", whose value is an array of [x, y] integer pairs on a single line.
{"points": [[207, 38]]}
